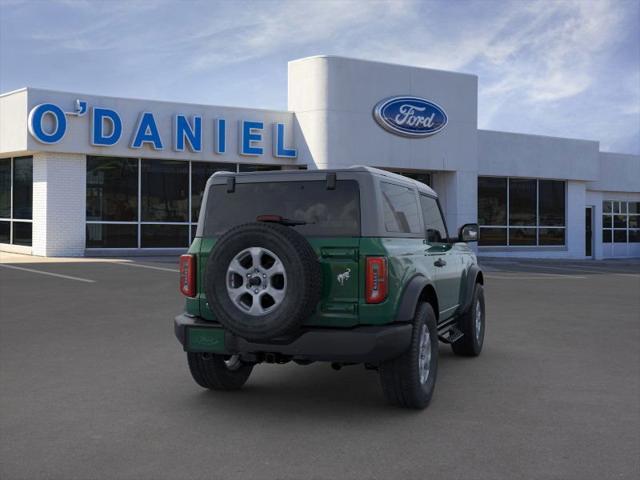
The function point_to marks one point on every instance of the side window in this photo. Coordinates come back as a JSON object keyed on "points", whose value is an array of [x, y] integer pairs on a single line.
{"points": [[400, 209], [436, 231]]}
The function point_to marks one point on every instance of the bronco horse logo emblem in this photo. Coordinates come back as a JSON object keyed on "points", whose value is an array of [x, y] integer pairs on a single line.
{"points": [[344, 276]]}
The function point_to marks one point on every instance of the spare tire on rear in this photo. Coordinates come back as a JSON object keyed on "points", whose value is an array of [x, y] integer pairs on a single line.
{"points": [[262, 280]]}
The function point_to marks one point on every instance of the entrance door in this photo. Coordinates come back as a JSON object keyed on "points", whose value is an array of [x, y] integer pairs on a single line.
{"points": [[588, 233]]}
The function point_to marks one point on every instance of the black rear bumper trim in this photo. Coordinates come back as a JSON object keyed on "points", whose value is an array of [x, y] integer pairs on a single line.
{"points": [[362, 344]]}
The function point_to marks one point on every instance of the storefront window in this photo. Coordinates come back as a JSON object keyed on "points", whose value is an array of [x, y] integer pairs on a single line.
{"points": [[5, 188], [492, 201], [164, 236], [522, 236], [112, 189], [620, 221], [493, 236], [522, 202], [16, 200], [22, 233], [551, 236], [22, 187], [138, 203], [551, 201], [112, 235], [521, 212], [165, 191], [250, 167], [5, 231]]}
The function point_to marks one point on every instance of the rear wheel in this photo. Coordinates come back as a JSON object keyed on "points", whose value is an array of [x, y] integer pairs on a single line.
{"points": [[409, 380], [218, 372], [472, 325]]}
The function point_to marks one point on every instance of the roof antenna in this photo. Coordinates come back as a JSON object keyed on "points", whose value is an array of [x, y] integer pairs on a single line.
{"points": [[231, 184], [331, 181]]}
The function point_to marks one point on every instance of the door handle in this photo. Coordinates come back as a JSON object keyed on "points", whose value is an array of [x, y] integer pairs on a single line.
{"points": [[440, 263]]}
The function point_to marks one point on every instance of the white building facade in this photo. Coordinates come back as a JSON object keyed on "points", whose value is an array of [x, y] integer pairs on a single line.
{"points": [[94, 175]]}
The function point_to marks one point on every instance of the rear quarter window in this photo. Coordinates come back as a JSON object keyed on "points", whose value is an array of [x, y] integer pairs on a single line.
{"points": [[327, 213], [400, 209]]}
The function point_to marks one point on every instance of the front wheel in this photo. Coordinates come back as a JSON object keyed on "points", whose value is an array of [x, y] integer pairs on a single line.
{"points": [[409, 380], [218, 372]]}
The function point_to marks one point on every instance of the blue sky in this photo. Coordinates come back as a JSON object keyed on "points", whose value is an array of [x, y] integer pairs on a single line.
{"points": [[564, 68]]}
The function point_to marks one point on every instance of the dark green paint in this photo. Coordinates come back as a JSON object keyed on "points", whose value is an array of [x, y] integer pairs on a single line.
{"points": [[205, 340], [343, 304]]}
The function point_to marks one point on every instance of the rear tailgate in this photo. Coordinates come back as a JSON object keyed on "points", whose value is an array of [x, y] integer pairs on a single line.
{"points": [[341, 289]]}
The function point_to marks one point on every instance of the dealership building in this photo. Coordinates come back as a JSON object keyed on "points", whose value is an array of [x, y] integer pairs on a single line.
{"points": [[94, 175]]}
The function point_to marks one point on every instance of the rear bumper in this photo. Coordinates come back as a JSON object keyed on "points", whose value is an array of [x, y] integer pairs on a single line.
{"points": [[370, 344]]}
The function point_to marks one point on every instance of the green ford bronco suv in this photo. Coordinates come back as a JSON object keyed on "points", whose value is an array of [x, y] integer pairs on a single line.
{"points": [[345, 266]]}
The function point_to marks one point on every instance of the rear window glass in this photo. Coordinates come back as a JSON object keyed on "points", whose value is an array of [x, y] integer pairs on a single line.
{"points": [[327, 213]]}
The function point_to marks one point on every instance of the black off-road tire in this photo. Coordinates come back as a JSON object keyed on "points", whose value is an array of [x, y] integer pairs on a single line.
{"points": [[400, 377], [470, 345], [303, 280], [210, 371]]}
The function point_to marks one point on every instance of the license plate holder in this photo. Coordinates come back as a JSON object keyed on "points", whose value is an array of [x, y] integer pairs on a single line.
{"points": [[199, 339]]}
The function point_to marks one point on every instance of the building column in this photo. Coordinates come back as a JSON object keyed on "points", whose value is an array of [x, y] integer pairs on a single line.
{"points": [[458, 194], [575, 221], [59, 204]]}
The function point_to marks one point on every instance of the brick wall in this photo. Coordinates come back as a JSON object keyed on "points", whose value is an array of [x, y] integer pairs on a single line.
{"points": [[59, 204]]}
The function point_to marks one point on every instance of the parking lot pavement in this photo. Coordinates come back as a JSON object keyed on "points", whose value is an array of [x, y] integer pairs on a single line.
{"points": [[94, 385]]}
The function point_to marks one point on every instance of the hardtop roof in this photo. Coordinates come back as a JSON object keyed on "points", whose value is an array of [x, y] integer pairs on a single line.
{"points": [[316, 172]]}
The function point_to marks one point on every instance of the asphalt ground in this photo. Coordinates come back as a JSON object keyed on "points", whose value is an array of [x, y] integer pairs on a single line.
{"points": [[93, 384]]}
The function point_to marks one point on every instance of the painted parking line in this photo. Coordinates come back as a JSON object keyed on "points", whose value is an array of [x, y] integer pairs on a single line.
{"points": [[50, 274], [151, 267], [530, 277], [535, 276], [581, 269]]}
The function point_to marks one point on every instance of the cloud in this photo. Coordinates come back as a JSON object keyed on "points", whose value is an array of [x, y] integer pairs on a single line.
{"points": [[543, 66], [289, 25], [551, 56]]}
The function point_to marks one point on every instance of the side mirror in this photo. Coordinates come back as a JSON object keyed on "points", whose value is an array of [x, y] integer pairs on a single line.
{"points": [[469, 232]]}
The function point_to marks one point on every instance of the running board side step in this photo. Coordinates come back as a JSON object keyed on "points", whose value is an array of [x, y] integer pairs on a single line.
{"points": [[451, 335]]}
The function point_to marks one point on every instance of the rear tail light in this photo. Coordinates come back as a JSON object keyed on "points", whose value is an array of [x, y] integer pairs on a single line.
{"points": [[376, 280], [188, 275]]}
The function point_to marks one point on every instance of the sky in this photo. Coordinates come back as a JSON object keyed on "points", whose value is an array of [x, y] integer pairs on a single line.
{"points": [[568, 68]]}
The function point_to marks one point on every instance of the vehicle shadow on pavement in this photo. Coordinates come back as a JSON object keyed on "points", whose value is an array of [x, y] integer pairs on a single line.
{"points": [[279, 391]]}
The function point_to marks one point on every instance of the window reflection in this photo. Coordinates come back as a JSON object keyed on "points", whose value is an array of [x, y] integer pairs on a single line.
{"points": [[5, 188], [165, 188], [522, 202], [533, 205], [492, 201], [112, 189], [22, 187]]}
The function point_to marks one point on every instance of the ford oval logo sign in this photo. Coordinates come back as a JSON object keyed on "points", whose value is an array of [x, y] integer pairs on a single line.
{"points": [[410, 116]]}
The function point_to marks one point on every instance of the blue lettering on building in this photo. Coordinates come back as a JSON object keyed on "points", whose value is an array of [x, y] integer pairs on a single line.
{"points": [[192, 134], [48, 123], [250, 134], [147, 132], [36, 117], [221, 136], [101, 136], [279, 149]]}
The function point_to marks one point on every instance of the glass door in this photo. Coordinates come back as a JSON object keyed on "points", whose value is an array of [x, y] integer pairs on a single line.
{"points": [[588, 233]]}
